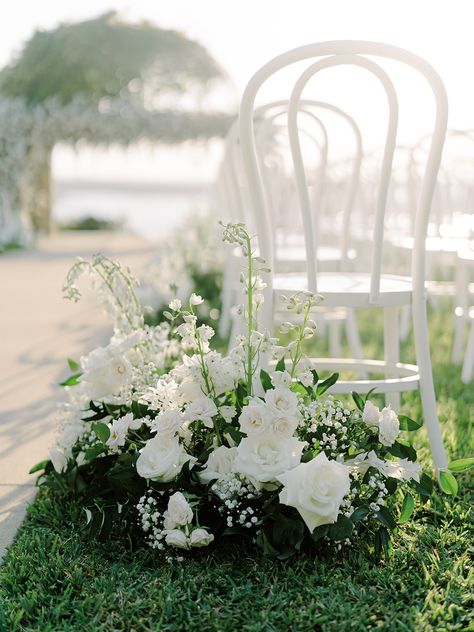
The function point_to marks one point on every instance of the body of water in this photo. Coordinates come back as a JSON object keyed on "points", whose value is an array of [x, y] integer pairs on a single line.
{"points": [[147, 209]]}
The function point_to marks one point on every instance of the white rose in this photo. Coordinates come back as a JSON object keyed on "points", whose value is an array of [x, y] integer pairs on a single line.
{"points": [[202, 409], [281, 401], [162, 458], [220, 462], [59, 458], [106, 372], [371, 414], [201, 537], [264, 458], [389, 427], [176, 538], [168, 423], [254, 418], [179, 510], [284, 426], [316, 489]]}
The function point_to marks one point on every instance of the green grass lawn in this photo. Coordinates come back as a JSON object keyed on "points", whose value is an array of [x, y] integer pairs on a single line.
{"points": [[56, 578]]}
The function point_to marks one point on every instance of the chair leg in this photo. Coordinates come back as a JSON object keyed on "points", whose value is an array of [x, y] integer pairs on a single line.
{"points": [[427, 392], [468, 364], [458, 338], [405, 319], [391, 344], [228, 284], [353, 338], [335, 338], [460, 308]]}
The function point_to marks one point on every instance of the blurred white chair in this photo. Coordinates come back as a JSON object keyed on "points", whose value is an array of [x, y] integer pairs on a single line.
{"points": [[371, 289], [290, 249], [464, 314]]}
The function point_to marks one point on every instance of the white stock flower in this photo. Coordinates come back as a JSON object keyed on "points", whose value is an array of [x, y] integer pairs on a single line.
{"points": [[176, 538], [370, 414], [118, 432], [316, 489], [195, 299], [162, 458], [254, 418], [202, 409], [264, 458], [59, 458], [389, 426], [200, 537], [228, 413], [219, 463], [281, 379], [175, 304], [402, 469], [179, 510]]}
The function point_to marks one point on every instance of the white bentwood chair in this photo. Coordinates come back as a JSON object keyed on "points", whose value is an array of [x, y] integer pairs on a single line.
{"points": [[346, 289], [290, 252]]}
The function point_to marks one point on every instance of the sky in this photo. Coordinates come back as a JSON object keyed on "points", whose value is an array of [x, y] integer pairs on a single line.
{"points": [[244, 34]]}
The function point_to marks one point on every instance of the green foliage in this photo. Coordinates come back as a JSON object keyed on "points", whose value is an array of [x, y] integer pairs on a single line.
{"points": [[106, 57]]}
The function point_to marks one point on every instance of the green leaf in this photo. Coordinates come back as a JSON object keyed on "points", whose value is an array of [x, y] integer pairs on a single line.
{"points": [[359, 514], [341, 529], [320, 532], [39, 466], [93, 452], [88, 513], [409, 424], [72, 380], [266, 381], [382, 542], [327, 383], [280, 365], [102, 431], [403, 450], [386, 518], [448, 483], [408, 507], [461, 464], [73, 365], [359, 402]]}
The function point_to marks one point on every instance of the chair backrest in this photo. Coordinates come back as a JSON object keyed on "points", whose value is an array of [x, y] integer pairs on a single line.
{"points": [[268, 116], [331, 54]]}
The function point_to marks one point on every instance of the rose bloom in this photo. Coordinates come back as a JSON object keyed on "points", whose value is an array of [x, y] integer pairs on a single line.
{"points": [[162, 458], [106, 371], [220, 462], [371, 414], [202, 409], [176, 538], [316, 489], [281, 401], [389, 427], [200, 537], [179, 512], [263, 458], [254, 418]]}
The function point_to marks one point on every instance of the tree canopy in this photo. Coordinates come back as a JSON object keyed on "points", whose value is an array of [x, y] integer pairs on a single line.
{"points": [[106, 57]]}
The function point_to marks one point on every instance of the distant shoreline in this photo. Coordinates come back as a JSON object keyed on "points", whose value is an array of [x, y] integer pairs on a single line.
{"points": [[147, 186]]}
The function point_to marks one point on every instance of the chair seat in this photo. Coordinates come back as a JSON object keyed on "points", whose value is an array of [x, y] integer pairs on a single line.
{"points": [[298, 253], [348, 289]]}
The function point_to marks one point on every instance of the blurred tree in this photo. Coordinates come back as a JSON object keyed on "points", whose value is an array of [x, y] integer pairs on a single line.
{"points": [[106, 57], [105, 70]]}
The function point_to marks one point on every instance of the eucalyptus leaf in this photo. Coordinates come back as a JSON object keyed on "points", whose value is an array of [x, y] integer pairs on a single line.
{"points": [[409, 424], [448, 483], [461, 464]]}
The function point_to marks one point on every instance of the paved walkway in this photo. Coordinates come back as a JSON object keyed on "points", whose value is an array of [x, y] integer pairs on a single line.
{"points": [[38, 331]]}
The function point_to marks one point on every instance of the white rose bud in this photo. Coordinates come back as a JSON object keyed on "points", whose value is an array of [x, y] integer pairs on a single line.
{"points": [[371, 414], [200, 537], [179, 510], [177, 538], [389, 427], [220, 462]]}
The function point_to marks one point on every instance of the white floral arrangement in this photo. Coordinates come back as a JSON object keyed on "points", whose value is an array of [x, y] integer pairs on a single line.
{"points": [[180, 446]]}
